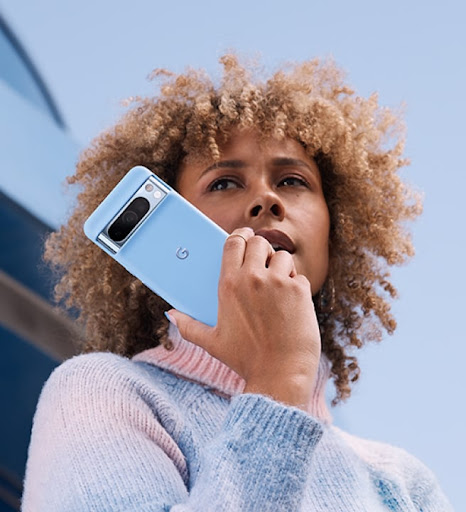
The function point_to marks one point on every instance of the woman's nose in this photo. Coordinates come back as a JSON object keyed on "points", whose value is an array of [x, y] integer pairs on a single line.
{"points": [[267, 203]]}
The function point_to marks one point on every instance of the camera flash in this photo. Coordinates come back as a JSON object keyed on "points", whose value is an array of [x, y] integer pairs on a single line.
{"points": [[149, 187], [157, 194]]}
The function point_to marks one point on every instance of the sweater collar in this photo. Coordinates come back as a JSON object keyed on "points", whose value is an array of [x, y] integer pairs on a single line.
{"points": [[193, 363]]}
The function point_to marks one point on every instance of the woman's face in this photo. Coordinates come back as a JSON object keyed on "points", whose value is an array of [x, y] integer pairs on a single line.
{"points": [[271, 186]]}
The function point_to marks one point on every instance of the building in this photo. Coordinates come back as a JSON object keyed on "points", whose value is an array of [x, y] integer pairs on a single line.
{"points": [[36, 153]]}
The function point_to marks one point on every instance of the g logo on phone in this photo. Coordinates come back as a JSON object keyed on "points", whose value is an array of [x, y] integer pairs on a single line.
{"points": [[182, 253]]}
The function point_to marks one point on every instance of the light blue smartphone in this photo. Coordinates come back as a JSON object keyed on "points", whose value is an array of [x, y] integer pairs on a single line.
{"points": [[163, 240]]}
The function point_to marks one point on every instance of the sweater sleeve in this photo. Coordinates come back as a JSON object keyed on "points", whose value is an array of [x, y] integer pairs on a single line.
{"points": [[97, 444]]}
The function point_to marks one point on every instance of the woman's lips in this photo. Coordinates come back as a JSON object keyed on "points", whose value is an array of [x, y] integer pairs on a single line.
{"points": [[277, 239]]}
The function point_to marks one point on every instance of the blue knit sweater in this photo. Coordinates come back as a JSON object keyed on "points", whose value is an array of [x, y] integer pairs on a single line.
{"points": [[172, 432]]}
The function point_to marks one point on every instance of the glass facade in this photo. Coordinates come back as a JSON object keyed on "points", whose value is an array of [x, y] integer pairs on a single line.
{"points": [[19, 73], [23, 368], [29, 117]]}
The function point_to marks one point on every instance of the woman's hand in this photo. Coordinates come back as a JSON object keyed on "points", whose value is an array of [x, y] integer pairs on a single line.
{"points": [[267, 330]]}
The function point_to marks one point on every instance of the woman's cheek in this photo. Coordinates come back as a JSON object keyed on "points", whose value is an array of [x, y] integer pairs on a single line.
{"points": [[223, 216]]}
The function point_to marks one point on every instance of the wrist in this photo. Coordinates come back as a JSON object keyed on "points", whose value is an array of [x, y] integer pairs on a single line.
{"points": [[295, 390]]}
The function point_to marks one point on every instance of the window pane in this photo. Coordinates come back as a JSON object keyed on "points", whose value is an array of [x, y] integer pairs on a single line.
{"points": [[15, 72]]}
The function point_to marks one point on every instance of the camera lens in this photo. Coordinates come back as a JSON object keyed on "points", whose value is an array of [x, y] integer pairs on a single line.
{"points": [[130, 217], [128, 220]]}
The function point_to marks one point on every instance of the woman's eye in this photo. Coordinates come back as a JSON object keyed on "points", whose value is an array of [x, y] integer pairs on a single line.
{"points": [[293, 181], [223, 184]]}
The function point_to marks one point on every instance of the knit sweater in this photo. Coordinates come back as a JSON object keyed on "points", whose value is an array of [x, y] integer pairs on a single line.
{"points": [[172, 431]]}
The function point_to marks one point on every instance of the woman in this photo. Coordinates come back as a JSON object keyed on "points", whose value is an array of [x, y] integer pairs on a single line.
{"points": [[303, 174]]}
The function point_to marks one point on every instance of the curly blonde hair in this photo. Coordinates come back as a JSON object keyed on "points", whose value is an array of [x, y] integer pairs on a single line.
{"points": [[357, 145]]}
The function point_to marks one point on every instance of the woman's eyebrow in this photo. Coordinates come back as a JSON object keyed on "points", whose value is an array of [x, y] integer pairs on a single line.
{"points": [[296, 162], [286, 161], [230, 164], [241, 164]]}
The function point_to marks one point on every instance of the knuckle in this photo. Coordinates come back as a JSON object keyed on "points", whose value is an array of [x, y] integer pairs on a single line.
{"points": [[244, 231], [184, 329], [228, 283], [302, 282], [260, 241], [187, 332], [255, 278], [232, 241], [302, 279], [278, 281], [283, 256]]}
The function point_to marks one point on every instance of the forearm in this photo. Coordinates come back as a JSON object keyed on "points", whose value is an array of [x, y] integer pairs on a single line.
{"points": [[259, 461]]}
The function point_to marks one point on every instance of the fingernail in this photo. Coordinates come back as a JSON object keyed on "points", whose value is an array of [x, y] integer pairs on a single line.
{"points": [[171, 319]]}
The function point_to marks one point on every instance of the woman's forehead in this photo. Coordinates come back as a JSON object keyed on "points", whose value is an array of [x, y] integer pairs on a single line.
{"points": [[246, 142]]}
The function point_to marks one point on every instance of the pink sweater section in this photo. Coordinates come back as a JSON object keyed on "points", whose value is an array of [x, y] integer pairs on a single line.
{"points": [[193, 363]]}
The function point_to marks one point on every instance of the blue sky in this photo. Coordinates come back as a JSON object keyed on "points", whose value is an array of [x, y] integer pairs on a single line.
{"points": [[94, 54]]}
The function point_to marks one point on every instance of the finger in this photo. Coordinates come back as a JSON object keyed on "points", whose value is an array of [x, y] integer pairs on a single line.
{"points": [[282, 262], [192, 330], [304, 282], [258, 253], [234, 248]]}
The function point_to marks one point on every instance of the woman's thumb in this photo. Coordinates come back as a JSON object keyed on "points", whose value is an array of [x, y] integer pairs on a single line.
{"points": [[191, 329]]}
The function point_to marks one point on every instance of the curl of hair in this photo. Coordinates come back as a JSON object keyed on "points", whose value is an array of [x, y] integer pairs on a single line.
{"points": [[357, 145]]}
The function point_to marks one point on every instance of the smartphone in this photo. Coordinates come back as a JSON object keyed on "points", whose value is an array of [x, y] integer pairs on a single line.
{"points": [[163, 240]]}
